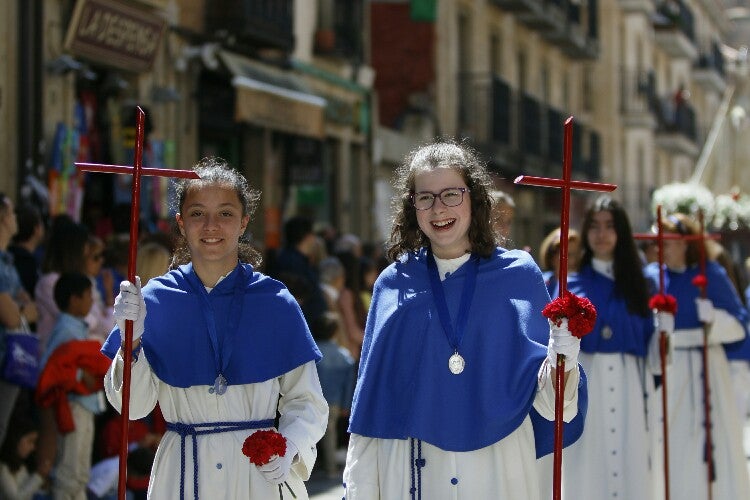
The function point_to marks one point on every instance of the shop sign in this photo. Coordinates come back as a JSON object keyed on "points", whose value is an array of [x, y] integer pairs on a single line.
{"points": [[279, 109], [115, 33]]}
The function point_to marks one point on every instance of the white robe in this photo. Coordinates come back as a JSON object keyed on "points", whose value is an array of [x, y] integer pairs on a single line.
{"points": [[379, 469], [688, 476], [611, 459], [224, 472]]}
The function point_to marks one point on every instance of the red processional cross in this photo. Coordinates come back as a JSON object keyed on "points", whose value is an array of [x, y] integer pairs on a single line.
{"points": [[136, 171], [566, 184], [659, 237]]}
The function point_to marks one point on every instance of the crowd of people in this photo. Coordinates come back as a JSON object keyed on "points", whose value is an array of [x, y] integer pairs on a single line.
{"points": [[418, 368]]}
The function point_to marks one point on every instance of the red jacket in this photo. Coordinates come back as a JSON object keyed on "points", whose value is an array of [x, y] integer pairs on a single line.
{"points": [[59, 378]]}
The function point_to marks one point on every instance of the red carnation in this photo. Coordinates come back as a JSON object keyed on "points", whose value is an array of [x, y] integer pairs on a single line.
{"points": [[663, 302], [261, 446], [700, 281], [579, 311]]}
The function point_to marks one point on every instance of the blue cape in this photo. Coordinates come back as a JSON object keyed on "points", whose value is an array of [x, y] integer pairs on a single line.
{"points": [[719, 290], [271, 340], [405, 389], [630, 332]]}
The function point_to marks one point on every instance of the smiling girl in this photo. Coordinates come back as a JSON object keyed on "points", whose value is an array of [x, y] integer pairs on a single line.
{"points": [[452, 394], [223, 349]]}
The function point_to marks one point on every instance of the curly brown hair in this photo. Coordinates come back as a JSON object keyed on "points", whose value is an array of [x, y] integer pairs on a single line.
{"points": [[217, 171], [405, 233]]}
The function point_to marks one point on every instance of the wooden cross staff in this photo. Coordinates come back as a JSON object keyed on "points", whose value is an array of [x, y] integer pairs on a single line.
{"points": [[566, 184], [659, 237], [706, 386], [136, 171]]}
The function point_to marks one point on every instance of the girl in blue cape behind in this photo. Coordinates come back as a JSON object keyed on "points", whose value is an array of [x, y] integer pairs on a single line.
{"points": [[453, 398], [725, 319], [222, 349], [612, 457]]}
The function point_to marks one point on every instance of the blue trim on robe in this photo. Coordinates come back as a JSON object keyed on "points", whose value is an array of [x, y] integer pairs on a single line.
{"points": [[405, 389], [273, 338], [631, 332]]}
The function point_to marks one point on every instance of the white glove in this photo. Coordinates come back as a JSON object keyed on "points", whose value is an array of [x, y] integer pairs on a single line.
{"points": [[664, 322], [706, 312], [561, 341], [129, 304], [277, 470]]}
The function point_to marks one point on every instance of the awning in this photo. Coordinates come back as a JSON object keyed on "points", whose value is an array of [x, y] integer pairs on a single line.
{"points": [[274, 98]]}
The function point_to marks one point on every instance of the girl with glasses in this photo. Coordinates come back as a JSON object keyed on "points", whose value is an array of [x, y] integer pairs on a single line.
{"points": [[453, 399]]}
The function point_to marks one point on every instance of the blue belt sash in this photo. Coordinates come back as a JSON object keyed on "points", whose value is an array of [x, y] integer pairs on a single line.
{"points": [[195, 430]]}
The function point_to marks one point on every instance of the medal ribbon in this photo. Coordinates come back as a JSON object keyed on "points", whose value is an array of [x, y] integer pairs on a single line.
{"points": [[467, 295], [222, 350]]}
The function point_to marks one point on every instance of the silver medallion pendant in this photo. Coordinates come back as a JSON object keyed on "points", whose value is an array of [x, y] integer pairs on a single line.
{"points": [[456, 363], [606, 332], [220, 385]]}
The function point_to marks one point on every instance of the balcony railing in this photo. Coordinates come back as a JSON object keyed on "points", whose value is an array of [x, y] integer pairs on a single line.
{"points": [[675, 29], [575, 38], [677, 130], [708, 70], [343, 38], [267, 23], [518, 130], [639, 103]]}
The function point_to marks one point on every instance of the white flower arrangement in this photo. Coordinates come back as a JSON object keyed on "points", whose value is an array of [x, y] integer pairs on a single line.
{"points": [[732, 210], [684, 198]]}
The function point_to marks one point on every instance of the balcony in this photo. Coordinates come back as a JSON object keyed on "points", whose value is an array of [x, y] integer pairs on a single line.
{"points": [[543, 15], [571, 36], [519, 132], [676, 131], [341, 36], [638, 100], [708, 70], [674, 30], [259, 24], [645, 7]]}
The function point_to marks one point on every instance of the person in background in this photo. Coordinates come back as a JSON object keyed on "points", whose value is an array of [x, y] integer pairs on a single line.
{"points": [[336, 373], [723, 315], [549, 257], [25, 245], [74, 298], [16, 306], [368, 273], [612, 458], [223, 349], [503, 212], [453, 398], [153, 260], [16, 481], [65, 252], [296, 258], [99, 320]]}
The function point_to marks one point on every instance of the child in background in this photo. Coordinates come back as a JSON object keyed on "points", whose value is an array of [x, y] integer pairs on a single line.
{"points": [[99, 319], [73, 296], [16, 482], [336, 373]]}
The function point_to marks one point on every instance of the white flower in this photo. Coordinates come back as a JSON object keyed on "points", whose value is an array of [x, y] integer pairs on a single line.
{"points": [[684, 198]]}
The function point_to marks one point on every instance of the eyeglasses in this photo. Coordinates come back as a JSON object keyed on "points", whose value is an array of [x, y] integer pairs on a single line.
{"points": [[450, 197]]}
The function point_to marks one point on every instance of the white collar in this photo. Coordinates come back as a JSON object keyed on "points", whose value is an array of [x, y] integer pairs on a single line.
{"points": [[448, 266], [604, 267]]}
